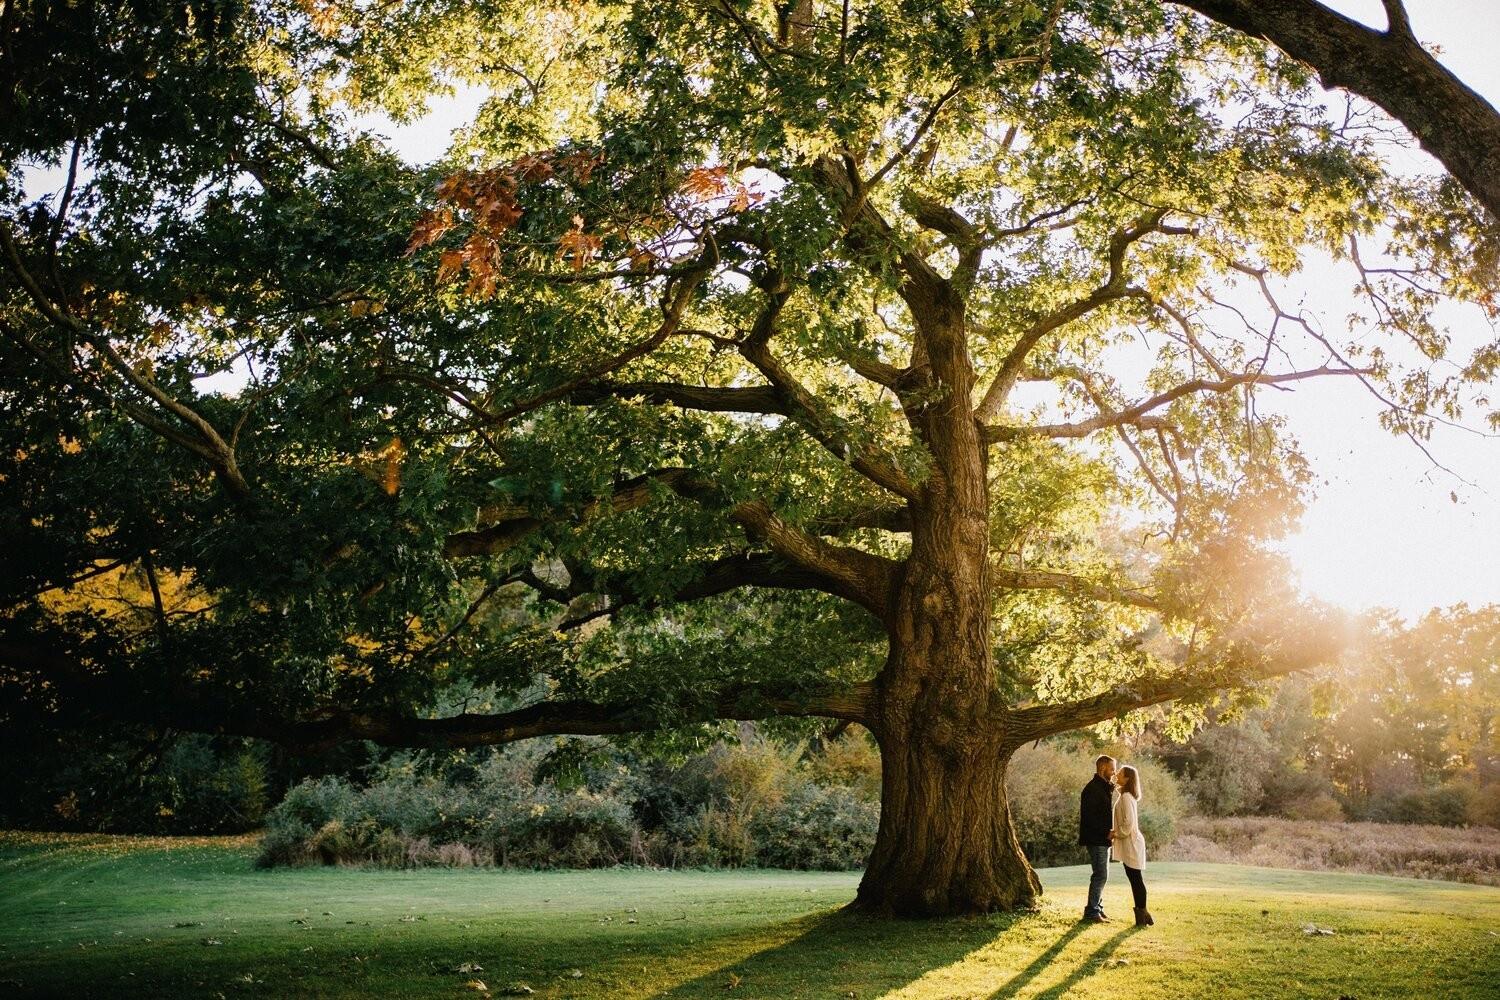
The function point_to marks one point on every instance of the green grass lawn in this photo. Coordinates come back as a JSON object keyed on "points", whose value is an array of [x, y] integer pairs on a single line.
{"points": [[114, 917]]}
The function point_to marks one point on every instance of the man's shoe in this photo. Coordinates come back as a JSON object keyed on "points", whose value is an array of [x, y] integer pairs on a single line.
{"points": [[1143, 917], [1095, 918]]}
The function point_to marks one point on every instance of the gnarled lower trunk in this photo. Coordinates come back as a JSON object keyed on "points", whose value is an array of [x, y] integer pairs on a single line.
{"points": [[946, 845]]}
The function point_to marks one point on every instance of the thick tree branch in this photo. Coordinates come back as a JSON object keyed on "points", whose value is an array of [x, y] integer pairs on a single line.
{"points": [[862, 577], [189, 709], [803, 407], [1299, 646], [847, 572], [574, 718], [965, 237], [1390, 68]]}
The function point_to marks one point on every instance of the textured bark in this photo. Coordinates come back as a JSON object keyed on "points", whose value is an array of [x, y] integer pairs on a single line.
{"points": [[1390, 68], [946, 844]]}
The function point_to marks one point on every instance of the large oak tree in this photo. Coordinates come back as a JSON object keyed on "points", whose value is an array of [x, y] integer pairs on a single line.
{"points": [[893, 364]]}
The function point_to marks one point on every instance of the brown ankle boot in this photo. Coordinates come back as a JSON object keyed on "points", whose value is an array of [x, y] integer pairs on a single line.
{"points": [[1142, 917]]}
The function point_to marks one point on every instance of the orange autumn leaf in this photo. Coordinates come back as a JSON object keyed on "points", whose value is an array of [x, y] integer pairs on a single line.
{"points": [[533, 167], [577, 246], [393, 454], [704, 183], [430, 228], [449, 264]]}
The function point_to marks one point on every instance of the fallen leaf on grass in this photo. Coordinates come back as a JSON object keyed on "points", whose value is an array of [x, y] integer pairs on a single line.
{"points": [[212, 941], [477, 985], [733, 981], [576, 973], [1312, 930], [469, 967], [518, 990]]}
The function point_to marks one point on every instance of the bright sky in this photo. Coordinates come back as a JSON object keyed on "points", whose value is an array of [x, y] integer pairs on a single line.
{"points": [[1383, 529]]}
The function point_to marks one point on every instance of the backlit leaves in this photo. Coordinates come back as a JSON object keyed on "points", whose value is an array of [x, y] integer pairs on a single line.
{"points": [[487, 204]]}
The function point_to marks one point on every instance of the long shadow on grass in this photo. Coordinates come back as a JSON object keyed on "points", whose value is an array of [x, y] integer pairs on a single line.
{"points": [[1082, 971], [843, 951]]}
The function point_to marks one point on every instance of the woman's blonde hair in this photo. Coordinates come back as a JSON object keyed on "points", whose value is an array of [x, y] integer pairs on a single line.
{"points": [[1132, 781]]}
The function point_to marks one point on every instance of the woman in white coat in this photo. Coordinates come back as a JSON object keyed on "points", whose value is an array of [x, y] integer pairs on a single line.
{"points": [[1126, 840]]}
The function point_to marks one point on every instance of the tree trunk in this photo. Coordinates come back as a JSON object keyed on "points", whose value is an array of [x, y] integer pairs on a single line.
{"points": [[946, 844]]}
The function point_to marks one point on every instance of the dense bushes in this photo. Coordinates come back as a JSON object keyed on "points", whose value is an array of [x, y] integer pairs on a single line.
{"points": [[408, 816], [583, 804], [128, 780], [1448, 804], [1043, 784]]}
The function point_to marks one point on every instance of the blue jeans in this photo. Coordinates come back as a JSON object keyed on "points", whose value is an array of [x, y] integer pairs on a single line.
{"points": [[1099, 859]]}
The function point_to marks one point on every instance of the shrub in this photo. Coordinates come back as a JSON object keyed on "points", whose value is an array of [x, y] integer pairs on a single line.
{"points": [[735, 804], [578, 830], [851, 761], [816, 826], [132, 780], [1445, 805], [1484, 809]]}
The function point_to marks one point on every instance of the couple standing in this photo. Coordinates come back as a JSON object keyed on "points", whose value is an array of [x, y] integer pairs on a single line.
{"points": [[1109, 819]]}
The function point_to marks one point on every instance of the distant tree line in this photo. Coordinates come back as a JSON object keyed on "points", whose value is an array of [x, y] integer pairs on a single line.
{"points": [[1404, 730]]}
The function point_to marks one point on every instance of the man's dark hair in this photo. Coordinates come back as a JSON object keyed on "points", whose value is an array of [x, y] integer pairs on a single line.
{"points": [[1101, 759]]}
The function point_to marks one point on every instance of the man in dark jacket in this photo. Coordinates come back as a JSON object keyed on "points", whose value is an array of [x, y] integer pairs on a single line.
{"points": [[1096, 817]]}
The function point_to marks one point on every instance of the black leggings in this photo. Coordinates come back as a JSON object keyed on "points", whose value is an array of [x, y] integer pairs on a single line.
{"points": [[1137, 886]]}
